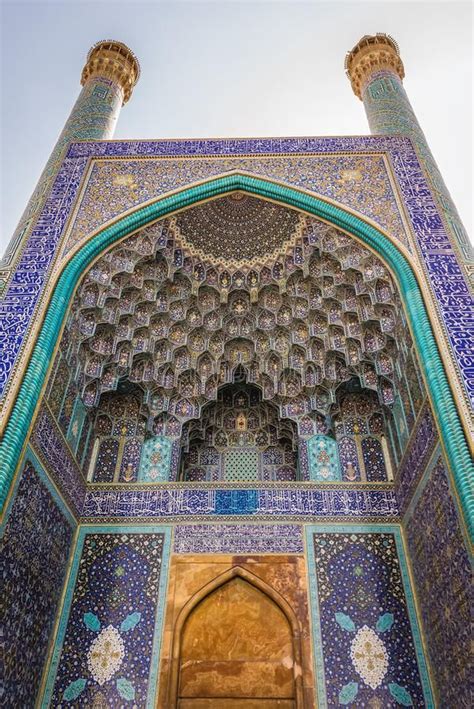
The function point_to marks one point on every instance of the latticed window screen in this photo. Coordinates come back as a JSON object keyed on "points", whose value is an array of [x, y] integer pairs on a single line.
{"points": [[241, 464]]}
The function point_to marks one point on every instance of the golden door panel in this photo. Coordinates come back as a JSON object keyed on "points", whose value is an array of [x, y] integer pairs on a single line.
{"points": [[236, 634], [236, 643]]}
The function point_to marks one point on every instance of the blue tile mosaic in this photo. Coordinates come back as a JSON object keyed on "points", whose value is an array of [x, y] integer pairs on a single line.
{"points": [[155, 460], [50, 445], [34, 552], [367, 644], [450, 288], [443, 575], [236, 502], [238, 539], [110, 630], [169, 503]]}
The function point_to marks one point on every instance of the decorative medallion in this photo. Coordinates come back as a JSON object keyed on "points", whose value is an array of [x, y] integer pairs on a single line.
{"points": [[369, 657], [105, 654], [237, 230]]}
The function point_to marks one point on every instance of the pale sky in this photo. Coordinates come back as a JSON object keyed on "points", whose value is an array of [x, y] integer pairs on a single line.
{"points": [[213, 69]]}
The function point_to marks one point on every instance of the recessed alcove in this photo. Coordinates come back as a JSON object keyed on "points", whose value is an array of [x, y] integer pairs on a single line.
{"points": [[236, 645], [169, 331], [239, 438]]}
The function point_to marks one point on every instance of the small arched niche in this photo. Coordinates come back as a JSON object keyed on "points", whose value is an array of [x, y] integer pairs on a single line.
{"points": [[236, 644], [239, 437]]}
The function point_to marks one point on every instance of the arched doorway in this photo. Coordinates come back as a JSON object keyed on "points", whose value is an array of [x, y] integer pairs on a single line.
{"points": [[236, 644]]}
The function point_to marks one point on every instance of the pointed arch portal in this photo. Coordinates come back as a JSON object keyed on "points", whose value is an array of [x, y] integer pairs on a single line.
{"points": [[236, 641], [452, 434]]}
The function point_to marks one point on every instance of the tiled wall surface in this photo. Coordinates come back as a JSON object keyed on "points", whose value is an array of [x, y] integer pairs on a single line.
{"points": [[444, 273], [34, 552], [442, 572], [107, 647], [367, 643]]}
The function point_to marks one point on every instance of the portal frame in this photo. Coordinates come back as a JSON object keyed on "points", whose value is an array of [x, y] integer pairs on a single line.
{"points": [[452, 434], [207, 590]]}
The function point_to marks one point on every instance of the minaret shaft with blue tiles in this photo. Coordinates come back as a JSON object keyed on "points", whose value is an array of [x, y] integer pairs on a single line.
{"points": [[108, 78], [376, 72]]}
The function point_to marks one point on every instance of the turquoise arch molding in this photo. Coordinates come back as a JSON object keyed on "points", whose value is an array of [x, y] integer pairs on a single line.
{"points": [[452, 433]]}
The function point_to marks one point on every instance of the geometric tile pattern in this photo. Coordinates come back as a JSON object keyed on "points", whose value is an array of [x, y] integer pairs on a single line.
{"points": [[149, 310], [241, 464], [442, 572], [239, 437]]}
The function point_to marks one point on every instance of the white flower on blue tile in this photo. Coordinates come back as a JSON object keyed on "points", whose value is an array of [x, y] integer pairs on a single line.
{"points": [[105, 654], [369, 657]]}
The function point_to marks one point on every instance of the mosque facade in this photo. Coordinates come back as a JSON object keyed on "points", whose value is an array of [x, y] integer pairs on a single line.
{"points": [[237, 387]]}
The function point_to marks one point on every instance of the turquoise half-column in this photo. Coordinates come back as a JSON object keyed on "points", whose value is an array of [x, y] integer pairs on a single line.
{"points": [[109, 75], [155, 460], [376, 71]]}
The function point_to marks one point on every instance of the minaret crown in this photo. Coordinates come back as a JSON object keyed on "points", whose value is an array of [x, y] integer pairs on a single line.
{"points": [[113, 60], [371, 54]]}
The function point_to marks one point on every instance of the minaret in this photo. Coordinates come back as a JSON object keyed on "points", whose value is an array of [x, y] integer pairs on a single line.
{"points": [[376, 71], [109, 75]]}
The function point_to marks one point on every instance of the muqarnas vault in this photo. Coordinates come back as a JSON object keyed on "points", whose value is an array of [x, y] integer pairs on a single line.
{"points": [[235, 466]]}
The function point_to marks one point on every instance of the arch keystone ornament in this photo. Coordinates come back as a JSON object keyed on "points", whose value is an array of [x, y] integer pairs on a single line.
{"points": [[451, 430]]}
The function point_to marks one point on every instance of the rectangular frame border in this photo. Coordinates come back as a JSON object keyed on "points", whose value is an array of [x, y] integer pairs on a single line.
{"points": [[318, 659], [44, 701]]}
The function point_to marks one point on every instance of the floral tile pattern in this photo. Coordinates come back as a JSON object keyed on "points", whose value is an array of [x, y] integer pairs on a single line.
{"points": [[106, 656], [361, 182], [156, 460], [368, 652]]}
